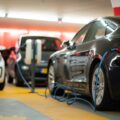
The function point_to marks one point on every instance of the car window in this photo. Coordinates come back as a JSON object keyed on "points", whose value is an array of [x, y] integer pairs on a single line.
{"points": [[109, 30], [48, 44], [58, 44], [81, 35], [97, 30], [100, 32], [110, 27]]}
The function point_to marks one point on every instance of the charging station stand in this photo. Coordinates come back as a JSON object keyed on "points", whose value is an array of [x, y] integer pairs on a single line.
{"points": [[33, 55], [32, 67]]}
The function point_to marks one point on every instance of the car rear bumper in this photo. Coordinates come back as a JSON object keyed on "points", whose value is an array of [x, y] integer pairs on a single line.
{"points": [[40, 73]]}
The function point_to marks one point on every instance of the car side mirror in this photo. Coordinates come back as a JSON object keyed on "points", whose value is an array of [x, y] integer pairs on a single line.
{"points": [[65, 43]]}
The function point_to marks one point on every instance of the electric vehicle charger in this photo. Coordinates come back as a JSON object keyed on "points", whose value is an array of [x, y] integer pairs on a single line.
{"points": [[75, 97], [23, 78]]}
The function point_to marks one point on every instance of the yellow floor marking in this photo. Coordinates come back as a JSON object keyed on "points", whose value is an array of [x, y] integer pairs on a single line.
{"points": [[48, 106], [12, 118]]}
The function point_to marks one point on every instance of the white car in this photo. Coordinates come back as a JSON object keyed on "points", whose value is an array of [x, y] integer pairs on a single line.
{"points": [[4, 55], [2, 72]]}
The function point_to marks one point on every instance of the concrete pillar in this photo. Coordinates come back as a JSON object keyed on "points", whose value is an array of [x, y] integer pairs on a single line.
{"points": [[116, 7]]}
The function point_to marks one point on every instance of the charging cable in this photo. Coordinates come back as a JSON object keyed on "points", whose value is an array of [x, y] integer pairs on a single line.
{"points": [[27, 84]]}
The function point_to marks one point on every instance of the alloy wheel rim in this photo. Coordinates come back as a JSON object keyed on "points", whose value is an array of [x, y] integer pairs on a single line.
{"points": [[98, 87], [51, 78]]}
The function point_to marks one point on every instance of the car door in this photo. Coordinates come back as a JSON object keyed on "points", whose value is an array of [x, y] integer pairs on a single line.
{"points": [[78, 57], [73, 59], [84, 50]]}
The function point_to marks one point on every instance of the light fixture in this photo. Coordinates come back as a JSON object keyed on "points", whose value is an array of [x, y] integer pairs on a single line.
{"points": [[77, 20], [46, 17], [13, 31], [33, 16], [59, 20], [2, 13]]}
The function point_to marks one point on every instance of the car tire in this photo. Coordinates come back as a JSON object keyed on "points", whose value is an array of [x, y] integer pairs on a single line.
{"points": [[18, 80], [52, 85], [99, 90], [2, 85]]}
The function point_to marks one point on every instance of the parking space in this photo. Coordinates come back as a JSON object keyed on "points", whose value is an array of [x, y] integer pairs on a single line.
{"points": [[59, 59], [19, 102]]}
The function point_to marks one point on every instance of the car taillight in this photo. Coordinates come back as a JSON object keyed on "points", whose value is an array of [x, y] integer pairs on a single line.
{"points": [[13, 55], [118, 49]]}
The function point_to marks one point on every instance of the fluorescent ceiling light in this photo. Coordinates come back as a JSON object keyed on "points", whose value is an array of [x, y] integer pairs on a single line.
{"points": [[2, 13], [32, 16], [81, 20], [13, 30], [48, 17]]}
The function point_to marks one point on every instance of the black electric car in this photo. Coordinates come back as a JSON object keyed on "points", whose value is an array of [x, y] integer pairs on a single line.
{"points": [[76, 66], [22, 70]]}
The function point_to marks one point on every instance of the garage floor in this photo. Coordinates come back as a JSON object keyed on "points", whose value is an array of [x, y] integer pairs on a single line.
{"points": [[19, 103]]}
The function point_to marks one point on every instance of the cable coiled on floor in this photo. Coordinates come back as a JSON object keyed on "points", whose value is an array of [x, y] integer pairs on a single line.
{"points": [[75, 97]]}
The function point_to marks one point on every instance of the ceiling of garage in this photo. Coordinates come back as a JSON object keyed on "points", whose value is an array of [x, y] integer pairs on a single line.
{"points": [[71, 9]]}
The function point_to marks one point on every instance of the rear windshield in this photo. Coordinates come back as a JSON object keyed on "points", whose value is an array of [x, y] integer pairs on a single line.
{"points": [[48, 43]]}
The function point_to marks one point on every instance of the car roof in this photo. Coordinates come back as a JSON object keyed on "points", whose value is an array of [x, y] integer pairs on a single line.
{"points": [[114, 19], [32, 36]]}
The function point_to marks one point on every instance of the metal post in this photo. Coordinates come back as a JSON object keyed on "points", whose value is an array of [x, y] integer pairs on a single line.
{"points": [[33, 67]]}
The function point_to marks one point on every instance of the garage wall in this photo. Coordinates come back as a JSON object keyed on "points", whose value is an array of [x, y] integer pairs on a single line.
{"points": [[12, 29], [9, 37]]}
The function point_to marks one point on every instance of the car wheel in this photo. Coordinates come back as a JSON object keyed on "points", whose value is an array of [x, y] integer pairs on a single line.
{"points": [[52, 85], [99, 88], [18, 80], [2, 85]]}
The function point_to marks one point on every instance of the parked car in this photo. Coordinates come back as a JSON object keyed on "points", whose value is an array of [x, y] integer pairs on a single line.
{"points": [[76, 65], [49, 45], [4, 54], [2, 70]]}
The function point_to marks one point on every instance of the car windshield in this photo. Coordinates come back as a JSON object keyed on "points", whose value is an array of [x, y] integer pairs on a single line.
{"points": [[48, 43], [80, 36]]}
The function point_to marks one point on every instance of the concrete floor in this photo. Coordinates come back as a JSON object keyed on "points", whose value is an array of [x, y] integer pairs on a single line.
{"points": [[45, 108]]}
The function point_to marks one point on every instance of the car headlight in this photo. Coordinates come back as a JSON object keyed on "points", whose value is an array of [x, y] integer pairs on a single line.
{"points": [[24, 67]]}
